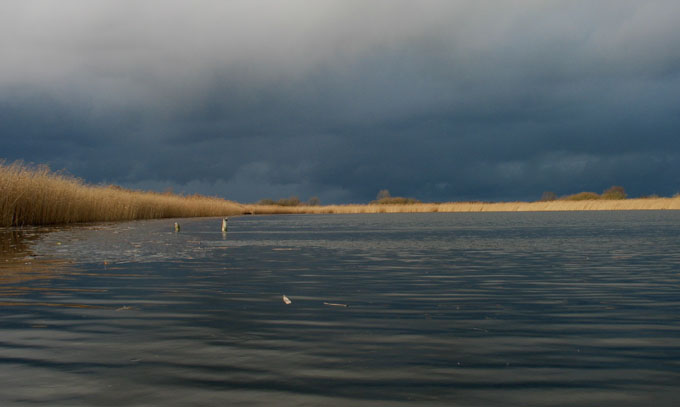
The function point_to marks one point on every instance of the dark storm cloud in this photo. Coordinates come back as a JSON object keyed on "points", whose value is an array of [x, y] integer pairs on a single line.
{"points": [[442, 100]]}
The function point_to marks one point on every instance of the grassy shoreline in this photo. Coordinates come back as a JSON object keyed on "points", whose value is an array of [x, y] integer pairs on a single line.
{"points": [[551, 206], [36, 196]]}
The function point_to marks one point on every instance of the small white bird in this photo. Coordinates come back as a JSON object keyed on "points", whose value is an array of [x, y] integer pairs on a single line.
{"points": [[224, 224], [176, 227], [286, 300]]}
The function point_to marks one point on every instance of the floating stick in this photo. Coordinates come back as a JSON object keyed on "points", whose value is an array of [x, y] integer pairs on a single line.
{"points": [[333, 304], [286, 300]]}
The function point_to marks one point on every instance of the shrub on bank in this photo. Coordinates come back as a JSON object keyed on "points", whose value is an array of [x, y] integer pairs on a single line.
{"points": [[614, 192], [385, 198], [395, 200], [292, 201], [266, 201], [611, 193], [581, 196], [314, 201]]}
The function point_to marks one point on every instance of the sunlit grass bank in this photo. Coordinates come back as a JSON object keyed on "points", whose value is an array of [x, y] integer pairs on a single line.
{"points": [[37, 196], [587, 205]]}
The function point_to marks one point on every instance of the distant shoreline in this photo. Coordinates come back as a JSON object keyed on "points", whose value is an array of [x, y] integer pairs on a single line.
{"points": [[548, 206], [38, 197]]}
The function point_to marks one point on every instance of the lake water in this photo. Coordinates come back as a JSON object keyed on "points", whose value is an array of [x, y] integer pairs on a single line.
{"points": [[479, 309]]}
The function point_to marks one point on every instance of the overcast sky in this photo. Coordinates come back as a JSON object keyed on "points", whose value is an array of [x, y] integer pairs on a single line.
{"points": [[438, 100]]}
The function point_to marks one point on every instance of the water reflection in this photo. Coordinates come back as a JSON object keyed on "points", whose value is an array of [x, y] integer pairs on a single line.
{"points": [[27, 279], [15, 244], [18, 263], [512, 309]]}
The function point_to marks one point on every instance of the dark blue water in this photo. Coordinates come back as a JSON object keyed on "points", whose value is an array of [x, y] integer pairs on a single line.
{"points": [[511, 309]]}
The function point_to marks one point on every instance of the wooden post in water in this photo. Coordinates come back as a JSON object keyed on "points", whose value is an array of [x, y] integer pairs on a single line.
{"points": [[176, 227], [224, 224]]}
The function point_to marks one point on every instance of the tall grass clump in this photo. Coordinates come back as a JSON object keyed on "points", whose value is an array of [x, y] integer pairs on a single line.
{"points": [[38, 196], [612, 193], [582, 196], [385, 198], [292, 201], [615, 192], [395, 200]]}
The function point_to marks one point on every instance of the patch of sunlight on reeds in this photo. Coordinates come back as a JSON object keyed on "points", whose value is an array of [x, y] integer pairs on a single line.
{"points": [[37, 196], [591, 205]]}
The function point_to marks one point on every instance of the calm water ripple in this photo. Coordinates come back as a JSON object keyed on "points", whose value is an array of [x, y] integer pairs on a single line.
{"points": [[525, 309]]}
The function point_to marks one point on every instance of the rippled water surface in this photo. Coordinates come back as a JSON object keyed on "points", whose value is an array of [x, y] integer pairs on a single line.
{"points": [[512, 309]]}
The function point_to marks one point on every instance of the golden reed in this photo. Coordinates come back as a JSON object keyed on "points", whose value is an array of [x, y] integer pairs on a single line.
{"points": [[37, 196], [558, 205], [599, 205]]}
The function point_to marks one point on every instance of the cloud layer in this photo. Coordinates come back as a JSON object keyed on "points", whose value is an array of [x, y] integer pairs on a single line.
{"points": [[441, 100]]}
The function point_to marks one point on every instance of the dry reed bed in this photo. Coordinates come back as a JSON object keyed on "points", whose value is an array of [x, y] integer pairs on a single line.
{"points": [[36, 196], [594, 205]]}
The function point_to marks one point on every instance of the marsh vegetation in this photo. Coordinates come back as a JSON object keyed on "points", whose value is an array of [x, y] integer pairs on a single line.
{"points": [[38, 196], [385, 198], [614, 192], [613, 198]]}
